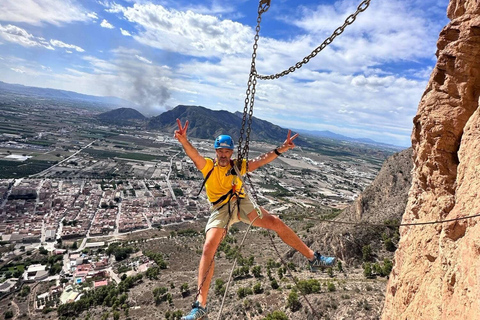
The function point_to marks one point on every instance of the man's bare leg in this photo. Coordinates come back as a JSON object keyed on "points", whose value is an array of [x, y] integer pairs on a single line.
{"points": [[284, 232], [213, 238]]}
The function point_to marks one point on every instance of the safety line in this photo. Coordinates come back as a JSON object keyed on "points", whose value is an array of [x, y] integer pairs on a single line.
{"points": [[395, 224]]}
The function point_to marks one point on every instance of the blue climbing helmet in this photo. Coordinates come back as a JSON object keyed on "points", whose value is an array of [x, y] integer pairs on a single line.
{"points": [[224, 141]]}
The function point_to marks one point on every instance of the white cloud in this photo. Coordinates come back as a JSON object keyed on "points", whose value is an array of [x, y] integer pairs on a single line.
{"points": [[389, 30], [36, 12], [60, 44], [92, 15], [106, 24], [17, 70], [20, 36], [143, 59], [125, 32], [187, 32]]}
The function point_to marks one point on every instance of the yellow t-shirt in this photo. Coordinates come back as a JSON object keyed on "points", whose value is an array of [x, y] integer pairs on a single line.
{"points": [[220, 180]]}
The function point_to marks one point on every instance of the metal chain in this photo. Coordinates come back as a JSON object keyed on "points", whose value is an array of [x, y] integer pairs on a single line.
{"points": [[361, 7], [263, 7]]}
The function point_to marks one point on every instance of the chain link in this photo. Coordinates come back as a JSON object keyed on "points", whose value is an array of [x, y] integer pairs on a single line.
{"points": [[361, 7], [263, 6]]}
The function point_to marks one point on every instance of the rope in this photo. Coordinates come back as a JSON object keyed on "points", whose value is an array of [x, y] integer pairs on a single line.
{"points": [[233, 268], [396, 224]]}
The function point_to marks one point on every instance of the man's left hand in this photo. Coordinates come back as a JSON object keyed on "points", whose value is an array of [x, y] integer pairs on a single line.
{"points": [[288, 144]]}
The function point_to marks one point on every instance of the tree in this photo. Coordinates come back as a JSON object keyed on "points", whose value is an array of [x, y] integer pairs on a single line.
{"points": [[8, 314], [74, 245]]}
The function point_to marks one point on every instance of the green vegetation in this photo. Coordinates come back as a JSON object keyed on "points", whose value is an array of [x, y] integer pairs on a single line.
{"points": [[103, 154], [308, 286], [219, 287], [276, 315], [16, 169], [367, 252], [158, 258], [292, 302], [242, 292], [109, 296], [187, 233], [120, 252], [161, 294]]}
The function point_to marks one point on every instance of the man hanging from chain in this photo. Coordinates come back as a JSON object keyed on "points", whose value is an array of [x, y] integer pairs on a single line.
{"points": [[230, 204]]}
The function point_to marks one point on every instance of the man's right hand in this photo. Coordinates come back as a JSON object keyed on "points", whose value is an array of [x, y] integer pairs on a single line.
{"points": [[181, 133]]}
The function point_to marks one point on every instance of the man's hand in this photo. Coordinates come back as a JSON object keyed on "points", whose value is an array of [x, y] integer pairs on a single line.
{"points": [[181, 133], [288, 144]]}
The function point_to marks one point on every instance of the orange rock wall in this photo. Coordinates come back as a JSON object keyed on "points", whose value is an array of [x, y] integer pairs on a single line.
{"points": [[437, 267]]}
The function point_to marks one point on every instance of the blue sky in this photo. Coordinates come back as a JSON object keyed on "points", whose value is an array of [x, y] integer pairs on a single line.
{"points": [[159, 54]]}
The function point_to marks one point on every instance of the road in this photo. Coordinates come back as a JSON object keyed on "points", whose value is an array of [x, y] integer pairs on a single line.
{"points": [[168, 177], [66, 159]]}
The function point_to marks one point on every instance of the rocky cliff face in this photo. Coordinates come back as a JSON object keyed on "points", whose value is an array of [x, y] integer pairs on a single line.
{"points": [[384, 200], [437, 267]]}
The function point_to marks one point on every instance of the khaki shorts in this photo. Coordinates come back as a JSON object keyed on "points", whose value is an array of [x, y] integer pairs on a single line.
{"points": [[219, 217]]}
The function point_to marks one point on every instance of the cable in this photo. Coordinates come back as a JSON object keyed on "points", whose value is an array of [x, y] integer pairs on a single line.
{"points": [[396, 224]]}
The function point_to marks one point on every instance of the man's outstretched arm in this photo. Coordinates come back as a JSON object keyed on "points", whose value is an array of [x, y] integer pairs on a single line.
{"points": [[191, 151], [270, 156]]}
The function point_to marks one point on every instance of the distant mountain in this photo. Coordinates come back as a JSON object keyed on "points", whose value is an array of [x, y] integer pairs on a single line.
{"points": [[121, 114], [58, 94], [331, 135], [208, 124]]}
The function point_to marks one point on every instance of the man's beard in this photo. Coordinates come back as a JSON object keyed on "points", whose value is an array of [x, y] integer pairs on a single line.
{"points": [[223, 161]]}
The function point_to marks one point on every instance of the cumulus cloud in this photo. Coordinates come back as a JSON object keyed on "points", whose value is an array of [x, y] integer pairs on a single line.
{"points": [[106, 24], [60, 44], [389, 30], [125, 33], [186, 32], [36, 12]]}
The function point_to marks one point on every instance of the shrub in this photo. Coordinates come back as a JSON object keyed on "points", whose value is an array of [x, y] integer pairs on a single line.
{"points": [[219, 287], [257, 271], [387, 267], [274, 284], [257, 288], [339, 266], [308, 286], [292, 302], [367, 270], [276, 315], [331, 287], [366, 253], [389, 245]]}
